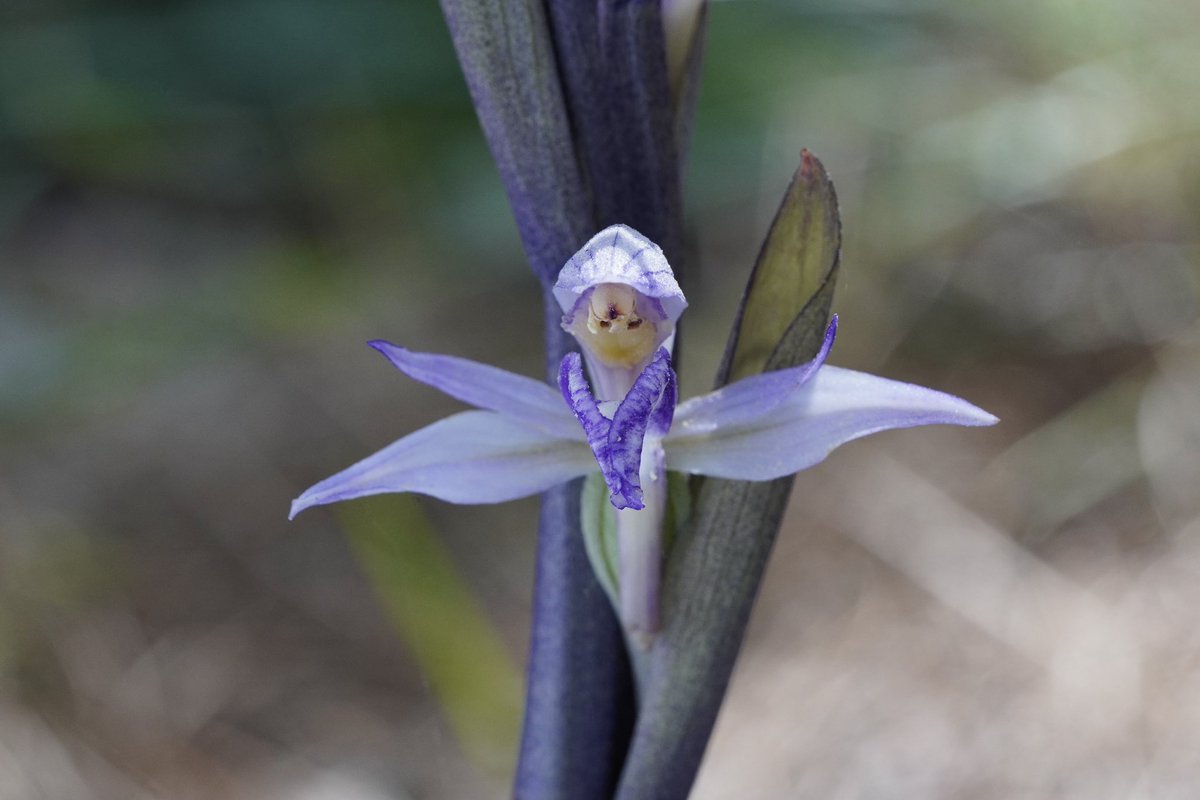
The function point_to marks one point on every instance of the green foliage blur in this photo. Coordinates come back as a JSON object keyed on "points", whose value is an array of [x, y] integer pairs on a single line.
{"points": [[207, 207]]}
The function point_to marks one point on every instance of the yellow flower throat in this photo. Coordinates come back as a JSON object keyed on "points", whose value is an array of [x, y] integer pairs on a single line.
{"points": [[616, 333]]}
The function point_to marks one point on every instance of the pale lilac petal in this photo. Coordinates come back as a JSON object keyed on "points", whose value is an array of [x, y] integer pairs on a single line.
{"points": [[471, 457], [485, 386], [834, 407], [619, 254], [749, 399]]}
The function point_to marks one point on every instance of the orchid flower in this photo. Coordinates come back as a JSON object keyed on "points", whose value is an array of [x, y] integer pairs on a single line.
{"points": [[621, 302]]}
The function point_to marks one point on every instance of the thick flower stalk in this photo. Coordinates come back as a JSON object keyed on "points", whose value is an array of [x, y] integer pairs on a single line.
{"points": [[587, 125], [621, 301]]}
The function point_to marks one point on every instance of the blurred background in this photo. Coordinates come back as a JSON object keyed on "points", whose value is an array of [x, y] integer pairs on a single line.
{"points": [[208, 207]]}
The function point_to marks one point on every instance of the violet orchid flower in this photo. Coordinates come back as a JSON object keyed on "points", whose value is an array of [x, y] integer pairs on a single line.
{"points": [[620, 301]]}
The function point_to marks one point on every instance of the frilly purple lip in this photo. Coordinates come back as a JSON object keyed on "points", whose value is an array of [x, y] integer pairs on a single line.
{"points": [[617, 443]]}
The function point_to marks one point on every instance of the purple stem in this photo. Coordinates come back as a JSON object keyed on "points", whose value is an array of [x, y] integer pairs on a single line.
{"points": [[579, 710]]}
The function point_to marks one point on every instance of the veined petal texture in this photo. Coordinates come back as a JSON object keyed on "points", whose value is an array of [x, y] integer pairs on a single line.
{"points": [[618, 443], [834, 407], [530, 401], [646, 411], [470, 457], [578, 396], [619, 254]]}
